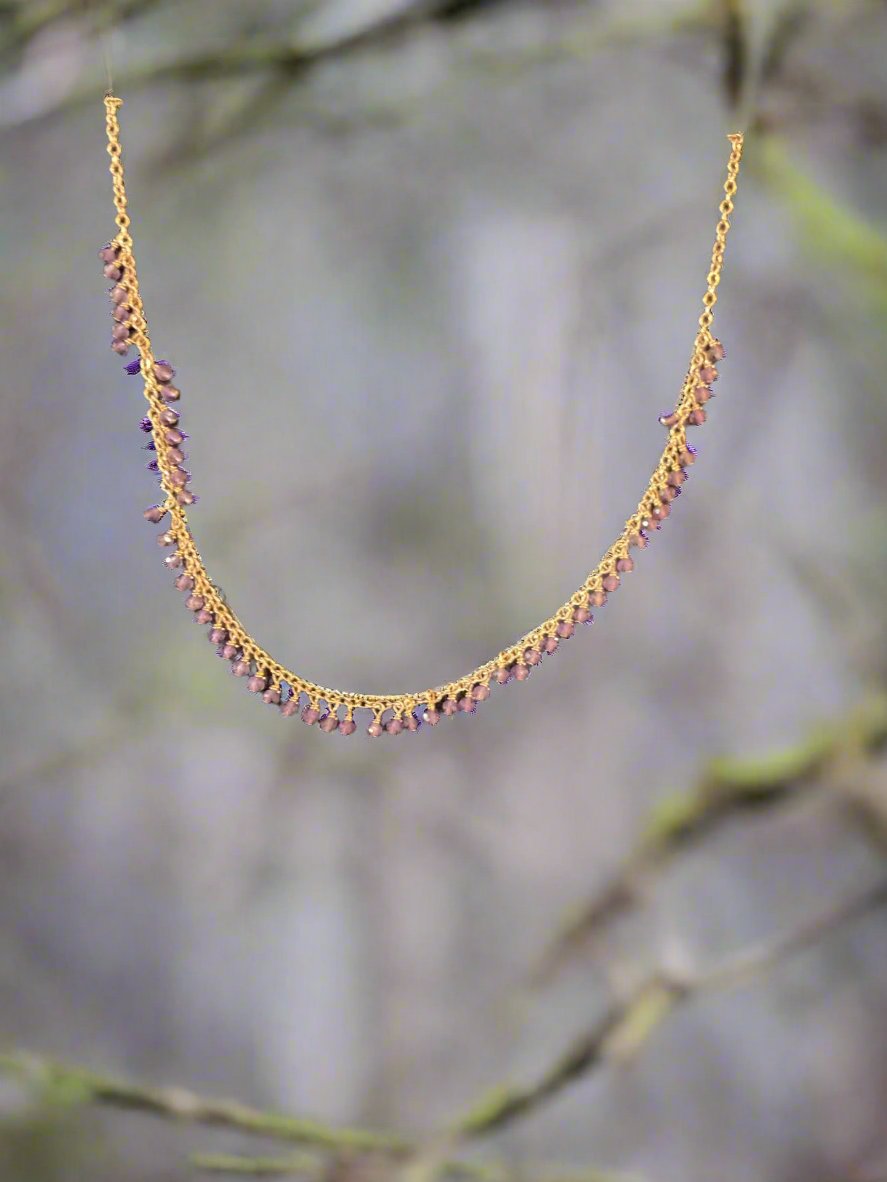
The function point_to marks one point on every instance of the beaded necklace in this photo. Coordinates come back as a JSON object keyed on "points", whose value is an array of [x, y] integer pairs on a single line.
{"points": [[333, 710]]}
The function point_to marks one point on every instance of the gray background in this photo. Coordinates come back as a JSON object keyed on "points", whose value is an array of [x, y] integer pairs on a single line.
{"points": [[426, 300]]}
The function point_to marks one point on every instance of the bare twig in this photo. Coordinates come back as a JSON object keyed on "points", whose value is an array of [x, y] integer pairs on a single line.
{"points": [[725, 789], [627, 1023]]}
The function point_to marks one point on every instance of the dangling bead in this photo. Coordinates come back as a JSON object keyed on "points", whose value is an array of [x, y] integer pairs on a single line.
{"points": [[133, 368], [449, 707], [108, 253], [170, 393], [480, 692], [703, 393], [610, 582], [394, 726], [310, 715], [169, 417], [550, 645], [218, 636], [347, 726], [431, 716], [624, 565], [708, 374], [173, 560], [242, 668], [532, 656], [329, 723], [184, 582], [194, 603], [154, 514], [467, 705], [163, 371], [290, 706], [598, 597], [271, 696], [670, 420], [716, 351], [696, 417], [204, 616], [256, 684], [521, 672], [375, 729]]}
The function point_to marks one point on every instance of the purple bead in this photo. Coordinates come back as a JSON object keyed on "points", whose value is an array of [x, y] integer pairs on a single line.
{"points": [[133, 367], [145, 424], [154, 466]]}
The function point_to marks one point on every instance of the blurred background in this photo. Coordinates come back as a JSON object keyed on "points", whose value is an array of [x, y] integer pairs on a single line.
{"points": [[429, 272]]}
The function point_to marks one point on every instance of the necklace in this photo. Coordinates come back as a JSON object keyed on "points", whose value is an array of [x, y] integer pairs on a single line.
{"points": [[331, 709]]}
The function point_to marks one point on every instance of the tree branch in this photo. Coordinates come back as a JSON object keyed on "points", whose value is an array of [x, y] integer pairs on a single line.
{"points": [[88, 1087], [727, 788], [629, 1022]]}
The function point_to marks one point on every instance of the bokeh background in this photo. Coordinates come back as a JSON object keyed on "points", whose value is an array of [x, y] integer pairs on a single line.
{"points": [[429, 272]]}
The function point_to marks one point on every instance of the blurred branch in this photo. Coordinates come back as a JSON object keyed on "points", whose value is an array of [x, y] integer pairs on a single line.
{"points": [[293, 62], [363, 1150], [78, 1085], [628, 1023], [226, 1163], [735, 52], [726, 788], [31, 18]]}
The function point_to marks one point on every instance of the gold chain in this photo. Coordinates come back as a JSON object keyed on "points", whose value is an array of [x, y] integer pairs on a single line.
{"points": [[271, 676]]}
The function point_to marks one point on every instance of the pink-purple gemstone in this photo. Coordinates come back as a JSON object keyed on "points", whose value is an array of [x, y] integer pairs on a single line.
{"points": [[242, 668], [565, 629], [623, 565], [347, 726], [610, 582], [394, 726], [431, 716], [310, 715], [271, 696], [375, 729], [480, 692], [582, 615], [329, 723]]}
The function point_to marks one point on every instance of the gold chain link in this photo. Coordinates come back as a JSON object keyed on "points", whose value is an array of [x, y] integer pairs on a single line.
{"points": [[399, 704]]}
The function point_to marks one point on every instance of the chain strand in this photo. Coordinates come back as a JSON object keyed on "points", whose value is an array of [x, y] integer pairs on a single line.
{"points": [[399, 704]]}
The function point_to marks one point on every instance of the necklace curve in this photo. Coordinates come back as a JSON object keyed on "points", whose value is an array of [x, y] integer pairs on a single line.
{"points": [[332, 710]]}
